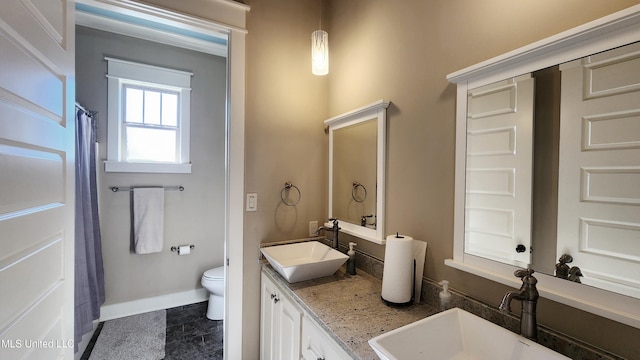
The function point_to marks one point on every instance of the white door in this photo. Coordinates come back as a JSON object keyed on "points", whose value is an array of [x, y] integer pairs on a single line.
{"points": [[36, 178], [499, 170], [599, 175]]}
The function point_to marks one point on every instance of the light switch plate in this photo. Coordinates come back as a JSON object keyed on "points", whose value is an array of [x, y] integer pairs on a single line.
{"points": [[252, 202]]}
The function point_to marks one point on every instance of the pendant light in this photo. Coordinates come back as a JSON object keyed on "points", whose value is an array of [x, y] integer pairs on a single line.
{"points": [[320, 50]]}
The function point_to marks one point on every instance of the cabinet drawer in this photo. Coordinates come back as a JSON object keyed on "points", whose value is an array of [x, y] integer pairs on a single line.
{"points": [[316, 345]]}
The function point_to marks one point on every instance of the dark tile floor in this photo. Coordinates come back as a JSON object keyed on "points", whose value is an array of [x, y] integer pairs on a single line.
{"points": [[190, 335]]}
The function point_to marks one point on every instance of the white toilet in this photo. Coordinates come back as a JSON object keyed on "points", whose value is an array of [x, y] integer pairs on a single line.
{"points": [[213, 281]]}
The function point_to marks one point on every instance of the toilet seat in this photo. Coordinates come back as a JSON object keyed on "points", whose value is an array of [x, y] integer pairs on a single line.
{"points": [[214, 274]]}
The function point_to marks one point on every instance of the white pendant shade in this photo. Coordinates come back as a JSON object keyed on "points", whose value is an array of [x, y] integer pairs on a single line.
{"points": [[320, 52]]}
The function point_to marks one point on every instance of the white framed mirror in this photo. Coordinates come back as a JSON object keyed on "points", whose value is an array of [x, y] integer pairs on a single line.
{"points": [[357, 148], [579, 44]]}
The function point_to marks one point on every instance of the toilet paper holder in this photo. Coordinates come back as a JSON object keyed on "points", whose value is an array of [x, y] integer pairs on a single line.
{"points": [[177, 248]]}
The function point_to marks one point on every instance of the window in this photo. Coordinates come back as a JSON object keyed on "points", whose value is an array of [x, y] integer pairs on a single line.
{"points": [[148, 118], [150, 121]]}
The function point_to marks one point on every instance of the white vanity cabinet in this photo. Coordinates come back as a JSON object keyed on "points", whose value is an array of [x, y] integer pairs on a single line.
{"points": [[280, 324], [288, 332]]}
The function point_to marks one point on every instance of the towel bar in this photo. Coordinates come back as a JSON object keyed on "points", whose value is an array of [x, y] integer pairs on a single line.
{"points": [[166, 188]]}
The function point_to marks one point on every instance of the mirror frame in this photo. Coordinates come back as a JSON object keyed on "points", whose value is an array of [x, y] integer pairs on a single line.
{"points": [[376, 111], [608, 32]]}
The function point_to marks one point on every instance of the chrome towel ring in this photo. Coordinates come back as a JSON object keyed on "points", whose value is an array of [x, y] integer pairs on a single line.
{"points": [[354, 192], [287, 187]]}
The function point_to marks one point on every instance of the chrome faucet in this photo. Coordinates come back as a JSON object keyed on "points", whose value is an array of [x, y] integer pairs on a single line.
{"points": [[528, 296], [563, 271], [335, 229]]}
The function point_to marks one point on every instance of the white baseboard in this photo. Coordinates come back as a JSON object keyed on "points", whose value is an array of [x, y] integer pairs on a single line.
{"points": [[134, 307]]}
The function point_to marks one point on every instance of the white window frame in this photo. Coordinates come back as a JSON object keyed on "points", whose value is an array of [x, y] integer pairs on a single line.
{"points": [[120, 72]]}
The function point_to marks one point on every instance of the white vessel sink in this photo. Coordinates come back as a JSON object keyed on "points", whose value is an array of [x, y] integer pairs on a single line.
{"points": [[457, 334], [304, 261]]}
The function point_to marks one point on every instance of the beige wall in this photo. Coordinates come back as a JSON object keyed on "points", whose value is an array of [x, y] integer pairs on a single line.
{"points": [[402, 52], [285, 138], [286, 106], [194, 216]]}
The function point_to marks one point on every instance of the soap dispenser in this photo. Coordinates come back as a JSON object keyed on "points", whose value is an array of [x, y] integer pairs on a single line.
{"points": [[351, 262], [445, 296]]}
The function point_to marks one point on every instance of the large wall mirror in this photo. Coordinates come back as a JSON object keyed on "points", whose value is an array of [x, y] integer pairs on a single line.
{"points": [[553, 171], [548, 166], [354, 173], [356, 170]]}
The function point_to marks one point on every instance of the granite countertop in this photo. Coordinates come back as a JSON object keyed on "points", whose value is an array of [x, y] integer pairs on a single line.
{"points": [[350, 309]]}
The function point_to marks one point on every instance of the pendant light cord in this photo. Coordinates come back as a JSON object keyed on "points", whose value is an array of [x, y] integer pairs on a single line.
{"points": [[320, 14]]}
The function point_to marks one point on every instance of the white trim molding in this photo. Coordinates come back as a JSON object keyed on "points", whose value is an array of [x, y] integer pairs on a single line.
{"points": [[611, 31], [121, 73], [608, 32], [135, 307], [135, 19]]}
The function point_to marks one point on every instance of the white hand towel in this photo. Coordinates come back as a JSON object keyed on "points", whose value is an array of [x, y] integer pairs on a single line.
{"points": [[148, 219]]}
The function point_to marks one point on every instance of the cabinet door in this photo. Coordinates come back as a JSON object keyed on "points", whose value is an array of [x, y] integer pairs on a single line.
{"points": [[316, 344], [280, 326], [290, 324], [268, 319]]}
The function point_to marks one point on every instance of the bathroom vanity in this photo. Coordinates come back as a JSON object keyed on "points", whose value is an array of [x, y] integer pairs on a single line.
{"points": [[337, 316], [327, 318]]}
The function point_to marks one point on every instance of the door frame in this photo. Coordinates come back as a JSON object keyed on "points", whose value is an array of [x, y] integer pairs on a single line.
{"points": [[229, 21]]}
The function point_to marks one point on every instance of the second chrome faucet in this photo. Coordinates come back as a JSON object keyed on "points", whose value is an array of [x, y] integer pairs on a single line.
{"points": [[528, 296]]}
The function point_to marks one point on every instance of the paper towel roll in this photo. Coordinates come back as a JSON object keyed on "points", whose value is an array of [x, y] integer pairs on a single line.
{"points": [[397, 274], [184, 250]]}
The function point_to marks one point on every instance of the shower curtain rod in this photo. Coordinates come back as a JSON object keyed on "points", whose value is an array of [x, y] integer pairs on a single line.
{"points": [[166, 188], [88, 112], [81, 107]]}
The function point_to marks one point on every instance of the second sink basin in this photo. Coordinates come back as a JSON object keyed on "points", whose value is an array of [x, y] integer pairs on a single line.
{"points": [[456, 334], [304, 261]]}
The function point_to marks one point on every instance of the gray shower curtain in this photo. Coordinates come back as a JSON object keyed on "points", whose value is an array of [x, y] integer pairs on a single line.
{"points": [[89, 273]]}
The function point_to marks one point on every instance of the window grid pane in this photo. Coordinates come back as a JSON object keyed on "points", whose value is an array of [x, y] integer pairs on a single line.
{"points": [[133, 105], [146, 144], [151, 106], [169, 109]]}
